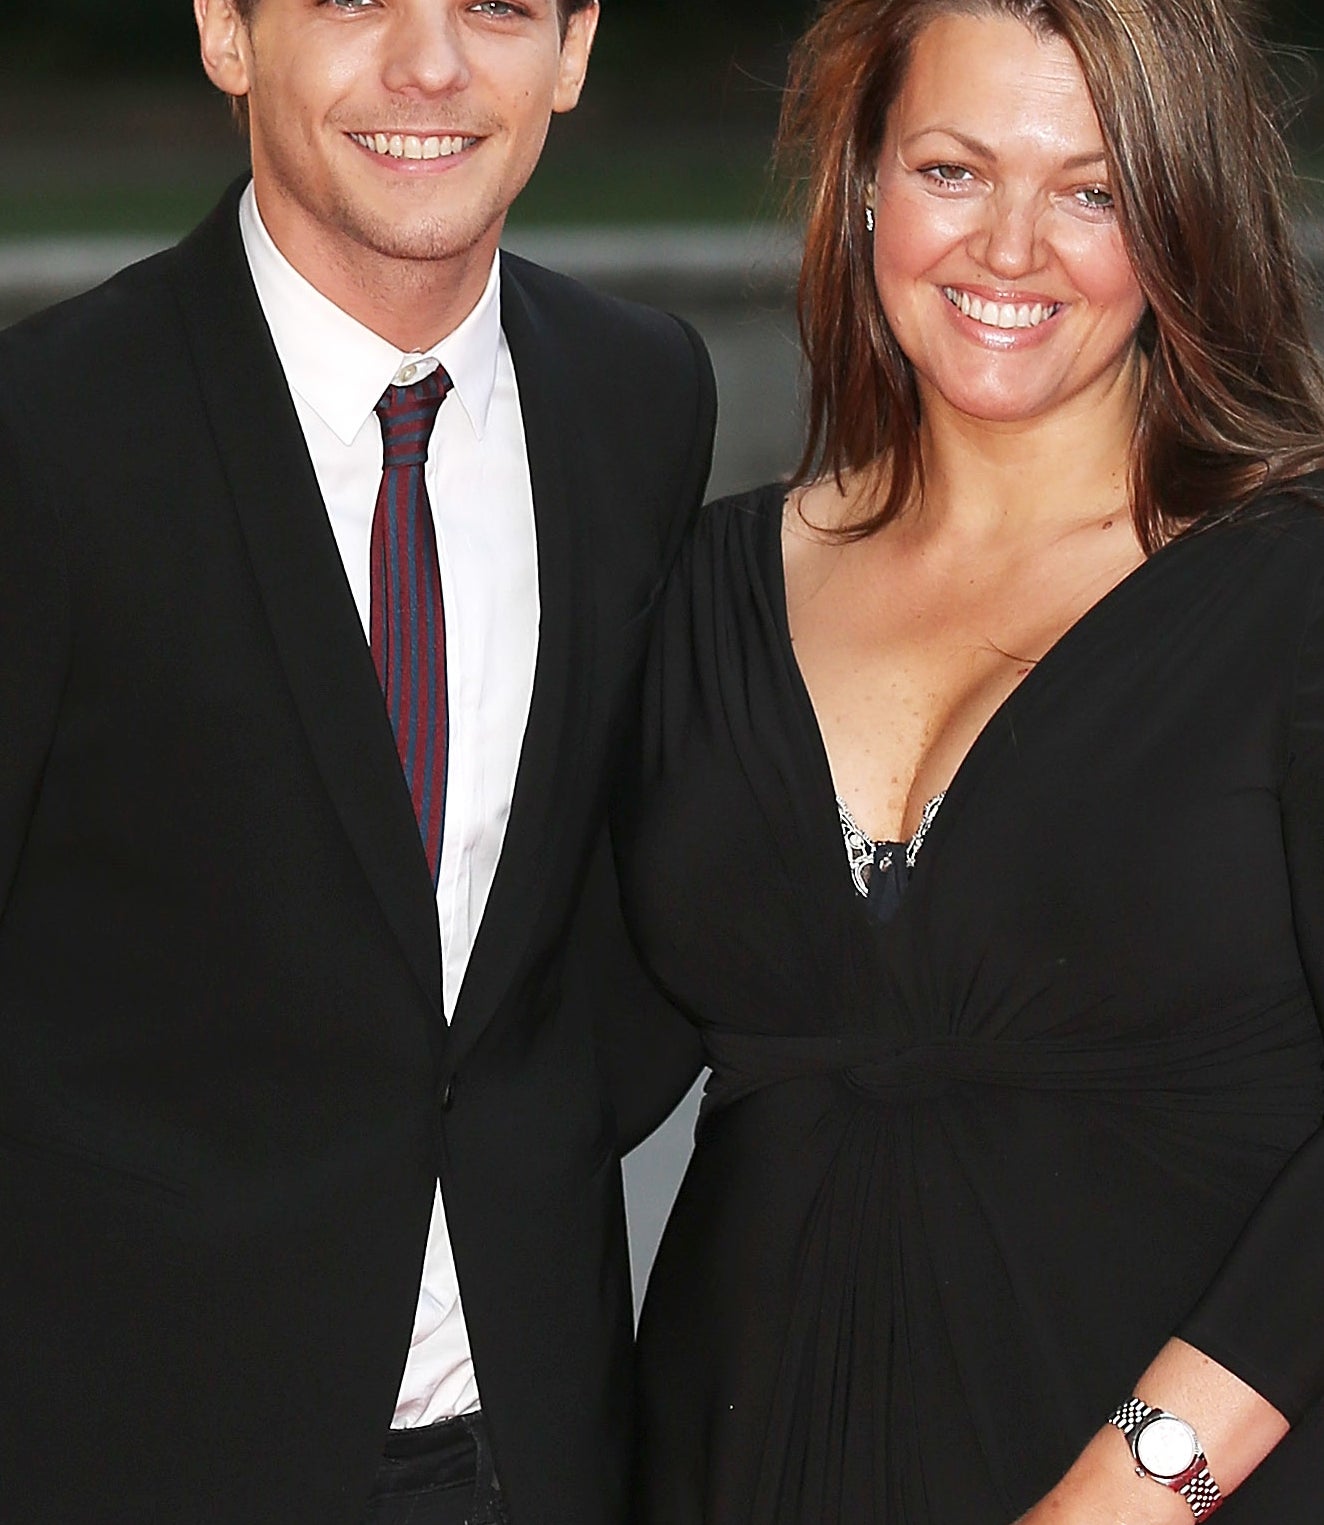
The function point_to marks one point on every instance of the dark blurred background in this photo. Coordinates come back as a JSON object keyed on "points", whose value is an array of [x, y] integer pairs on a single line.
{"points": [[680, 36], [106, 123]]}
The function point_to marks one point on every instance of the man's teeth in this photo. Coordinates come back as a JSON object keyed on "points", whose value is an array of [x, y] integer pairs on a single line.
{"points": [[397, 145], [1001, 314]]}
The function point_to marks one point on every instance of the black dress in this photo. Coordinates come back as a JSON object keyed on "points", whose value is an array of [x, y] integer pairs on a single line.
{"points": [[962, 1171]]}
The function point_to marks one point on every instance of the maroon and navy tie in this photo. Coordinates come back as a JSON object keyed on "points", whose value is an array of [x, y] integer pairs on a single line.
{"points": [[408, 627]]}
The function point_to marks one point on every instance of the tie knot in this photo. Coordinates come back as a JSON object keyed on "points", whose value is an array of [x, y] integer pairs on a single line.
{"points": [[407, 415]]}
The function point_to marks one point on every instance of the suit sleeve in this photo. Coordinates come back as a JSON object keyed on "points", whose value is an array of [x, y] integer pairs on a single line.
{"points": [[34, 649], [649, 1052], [1261, 1318]]}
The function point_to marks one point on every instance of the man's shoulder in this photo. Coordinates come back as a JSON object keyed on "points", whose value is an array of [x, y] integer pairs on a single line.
{"points": [[637, 383], [594, 322], [93, 335], [130, 320]]}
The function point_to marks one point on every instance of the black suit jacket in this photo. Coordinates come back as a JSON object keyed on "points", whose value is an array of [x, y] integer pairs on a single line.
{"points": [[227, 1086]]}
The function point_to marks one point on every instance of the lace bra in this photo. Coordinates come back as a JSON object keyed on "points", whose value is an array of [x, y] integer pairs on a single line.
{"points": [[881, 870]]}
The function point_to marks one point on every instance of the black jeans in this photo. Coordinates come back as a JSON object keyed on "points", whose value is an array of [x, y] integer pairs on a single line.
{"points": [[439, 1475]]}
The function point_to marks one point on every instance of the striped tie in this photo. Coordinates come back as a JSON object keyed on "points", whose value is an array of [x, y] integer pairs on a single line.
{"points": [[407, 623]]}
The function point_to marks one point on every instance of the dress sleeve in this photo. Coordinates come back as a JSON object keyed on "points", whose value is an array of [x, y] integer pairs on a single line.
{"points": [[34, 648], [1263, 1317]]}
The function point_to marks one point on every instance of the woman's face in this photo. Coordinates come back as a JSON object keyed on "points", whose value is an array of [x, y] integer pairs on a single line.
{"points": [[998, 257]]}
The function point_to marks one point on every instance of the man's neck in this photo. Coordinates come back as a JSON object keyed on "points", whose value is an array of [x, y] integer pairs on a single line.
{"points": [[412, 304]]}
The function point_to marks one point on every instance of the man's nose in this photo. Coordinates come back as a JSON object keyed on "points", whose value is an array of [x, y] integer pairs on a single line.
{"points": [[426, 53]]}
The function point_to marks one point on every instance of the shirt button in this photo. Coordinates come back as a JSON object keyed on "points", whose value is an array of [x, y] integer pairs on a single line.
{"points": [[407, 374]]}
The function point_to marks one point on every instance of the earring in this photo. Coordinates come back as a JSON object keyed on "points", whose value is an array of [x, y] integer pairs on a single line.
{"points": [[868, 216]]}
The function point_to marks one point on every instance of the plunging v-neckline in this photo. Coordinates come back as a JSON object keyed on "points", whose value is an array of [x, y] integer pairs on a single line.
{"points": [[961, 780], [865, 854]]}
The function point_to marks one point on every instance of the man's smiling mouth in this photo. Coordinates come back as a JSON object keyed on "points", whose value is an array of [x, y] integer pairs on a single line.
{"points": [[396, 145]]}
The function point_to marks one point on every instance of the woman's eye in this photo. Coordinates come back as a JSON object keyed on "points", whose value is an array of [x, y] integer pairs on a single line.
{"points": [[1096, 197], [499, 8], [947, 174]]}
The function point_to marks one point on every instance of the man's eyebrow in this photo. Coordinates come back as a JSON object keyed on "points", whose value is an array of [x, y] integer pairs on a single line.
{"points": [[983, 151]]}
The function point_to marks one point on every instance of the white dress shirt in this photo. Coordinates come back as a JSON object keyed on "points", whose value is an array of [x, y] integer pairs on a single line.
{"points": [[482, 501]]}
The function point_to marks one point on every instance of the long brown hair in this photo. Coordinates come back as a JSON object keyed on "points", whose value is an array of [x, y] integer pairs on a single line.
{"points": [[1233, 398]]}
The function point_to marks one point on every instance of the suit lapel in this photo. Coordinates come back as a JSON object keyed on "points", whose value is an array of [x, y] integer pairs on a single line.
{"points": [[533, 856], [298, 568]]}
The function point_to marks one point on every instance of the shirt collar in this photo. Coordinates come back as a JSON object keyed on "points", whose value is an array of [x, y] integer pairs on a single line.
{"points": [[340, 368]]}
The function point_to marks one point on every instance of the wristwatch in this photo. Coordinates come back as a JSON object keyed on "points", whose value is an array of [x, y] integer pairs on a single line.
{"points": [[1167, 1451]]}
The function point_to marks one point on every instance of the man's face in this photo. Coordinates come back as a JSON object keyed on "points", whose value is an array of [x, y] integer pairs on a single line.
{"points": [[394, 129]]}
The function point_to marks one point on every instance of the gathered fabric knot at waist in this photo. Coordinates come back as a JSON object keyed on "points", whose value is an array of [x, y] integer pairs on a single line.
{"points": [[746, 1062], [1258, 1042]]}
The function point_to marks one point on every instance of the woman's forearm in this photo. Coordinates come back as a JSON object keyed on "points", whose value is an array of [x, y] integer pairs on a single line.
{"points": [[1237, 1429]]}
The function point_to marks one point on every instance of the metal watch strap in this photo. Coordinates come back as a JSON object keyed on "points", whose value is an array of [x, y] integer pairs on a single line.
{"points": [[1127, 1415], [1197, 1487], [1201, 1492]]}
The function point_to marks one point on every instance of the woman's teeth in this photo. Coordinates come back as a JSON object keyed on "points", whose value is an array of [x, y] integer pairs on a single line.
{"points": [[1001, 314]]}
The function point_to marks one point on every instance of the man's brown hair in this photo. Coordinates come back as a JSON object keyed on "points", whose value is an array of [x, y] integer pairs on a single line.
{"points": [[1233, 397]]}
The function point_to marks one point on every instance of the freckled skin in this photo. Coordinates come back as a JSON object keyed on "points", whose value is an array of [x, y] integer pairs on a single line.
{"points": [[991, 180]]}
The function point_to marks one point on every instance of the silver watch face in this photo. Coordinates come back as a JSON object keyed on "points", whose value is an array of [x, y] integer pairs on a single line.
{"points": [[1166, 1447]]}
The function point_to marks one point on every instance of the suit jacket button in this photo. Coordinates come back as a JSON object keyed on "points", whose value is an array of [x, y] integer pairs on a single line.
{"points": [[448, 1095]]}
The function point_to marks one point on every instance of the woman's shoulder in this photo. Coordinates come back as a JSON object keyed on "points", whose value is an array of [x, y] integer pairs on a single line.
{"points": [[753, 505], [1281, 529], [738, 526], [730, 561], [757, 515], [1288, 513], [1251, 579]]}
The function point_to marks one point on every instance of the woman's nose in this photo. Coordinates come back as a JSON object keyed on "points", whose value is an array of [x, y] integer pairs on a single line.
{"points": [[1010, 235]]}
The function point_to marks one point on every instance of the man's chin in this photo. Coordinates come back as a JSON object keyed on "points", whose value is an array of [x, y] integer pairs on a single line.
{"points": [[429, 241]]}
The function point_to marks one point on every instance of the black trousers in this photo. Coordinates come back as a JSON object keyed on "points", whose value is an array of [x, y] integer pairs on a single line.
{"points": [[438, 1475]]}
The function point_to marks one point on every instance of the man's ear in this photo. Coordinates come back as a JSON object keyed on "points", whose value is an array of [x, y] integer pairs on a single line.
{"points": [[576, 46], [226, 55]]}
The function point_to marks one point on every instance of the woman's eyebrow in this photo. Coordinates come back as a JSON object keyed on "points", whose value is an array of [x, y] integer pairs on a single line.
{"points": [[983, 151]]}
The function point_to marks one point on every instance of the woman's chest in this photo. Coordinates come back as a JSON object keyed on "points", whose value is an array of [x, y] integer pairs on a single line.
{"points": [[905, 662], [1111, 838]]}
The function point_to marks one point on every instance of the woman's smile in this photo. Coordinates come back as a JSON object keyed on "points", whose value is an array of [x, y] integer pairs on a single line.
{"points": [[998, 256]]}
